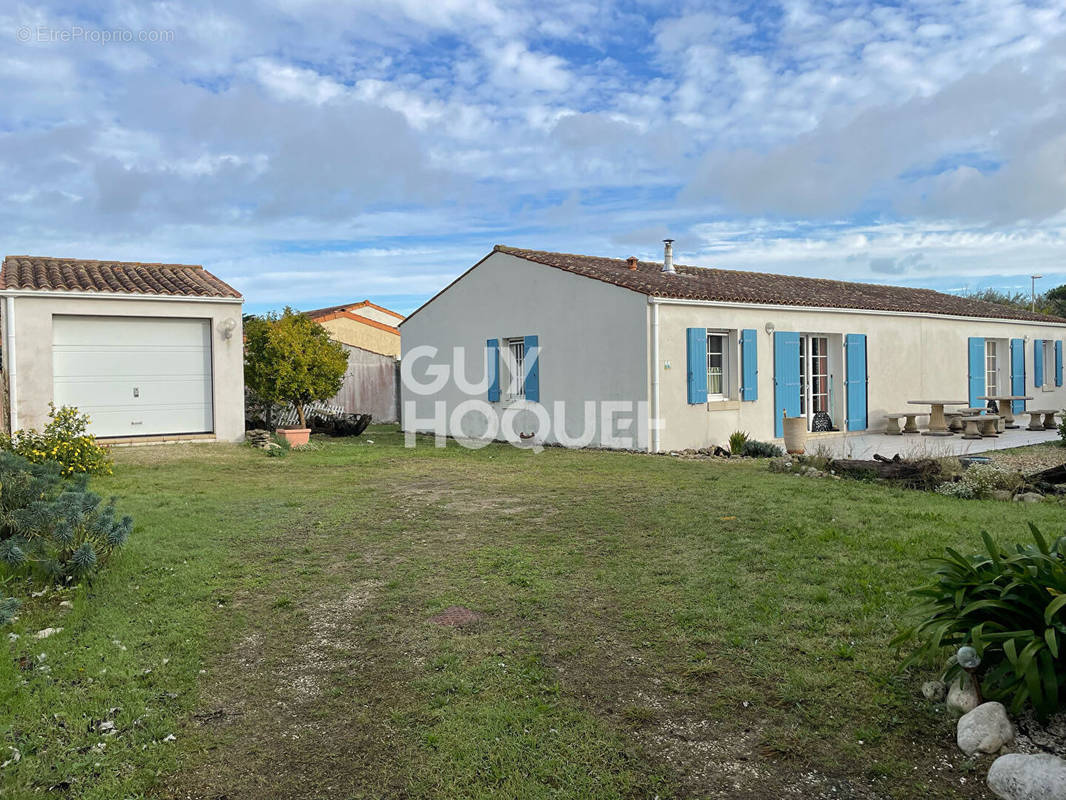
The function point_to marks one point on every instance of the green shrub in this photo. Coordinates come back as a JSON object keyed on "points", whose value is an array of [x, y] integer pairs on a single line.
{"points": [[9, 606], [737, 440], [756, 449], [978, 481], [54, 530], [1010, 606], [1062, 427], [63, 440]]}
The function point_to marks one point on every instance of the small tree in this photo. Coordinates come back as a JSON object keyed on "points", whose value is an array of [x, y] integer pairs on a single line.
{"points": [[291, 359]]}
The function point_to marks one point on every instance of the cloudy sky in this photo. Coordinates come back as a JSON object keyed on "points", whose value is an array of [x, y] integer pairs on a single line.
{"points": [[313, 152]]}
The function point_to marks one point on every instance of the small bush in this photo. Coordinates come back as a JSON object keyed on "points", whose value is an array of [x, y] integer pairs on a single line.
{"points": [[1009, 606], [978, 481], [50, 529], [9, 606], [756, 449], [1062, 427], [65, 441]]}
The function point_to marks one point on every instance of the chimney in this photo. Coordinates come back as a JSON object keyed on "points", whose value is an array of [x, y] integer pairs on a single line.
{"points": [[632, 261], [668, 256]]}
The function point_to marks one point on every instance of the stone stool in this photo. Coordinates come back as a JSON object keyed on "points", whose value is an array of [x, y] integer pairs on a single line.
{"points": [[971, 431], [990, 425], [1049, 420], [1036, 422], [954, 420]]}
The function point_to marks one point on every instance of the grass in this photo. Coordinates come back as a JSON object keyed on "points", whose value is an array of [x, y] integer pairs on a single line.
{"points": [[650, 626]]}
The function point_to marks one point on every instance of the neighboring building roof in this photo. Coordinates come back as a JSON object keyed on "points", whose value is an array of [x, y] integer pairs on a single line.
{"points": [[351, 307], [736, 286], [325, 315], [37, 273]]}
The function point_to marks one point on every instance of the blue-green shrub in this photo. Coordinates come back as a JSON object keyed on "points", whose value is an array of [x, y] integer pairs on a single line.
{"points": [[52, 529]]}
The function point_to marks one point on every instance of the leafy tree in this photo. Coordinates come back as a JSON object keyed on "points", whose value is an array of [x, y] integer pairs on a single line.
{"points": [[291, 359], [1056, 298], [1044, 304]]}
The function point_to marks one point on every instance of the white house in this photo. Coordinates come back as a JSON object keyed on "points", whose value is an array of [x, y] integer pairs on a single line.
{"points": [[592, 351], [151, 352]]}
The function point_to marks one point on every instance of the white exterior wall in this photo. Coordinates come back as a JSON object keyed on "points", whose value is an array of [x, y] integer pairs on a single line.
{"points": [[33, 350], [909, 357], [592, 338]]}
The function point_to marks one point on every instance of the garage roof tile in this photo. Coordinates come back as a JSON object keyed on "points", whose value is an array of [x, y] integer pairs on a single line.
{"points": [[37, 273]]}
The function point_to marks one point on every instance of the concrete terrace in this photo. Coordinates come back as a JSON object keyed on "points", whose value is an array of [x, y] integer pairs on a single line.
{"points": [[864, 445]]}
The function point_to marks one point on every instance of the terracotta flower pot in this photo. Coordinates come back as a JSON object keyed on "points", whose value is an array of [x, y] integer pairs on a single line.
{"points": [[296, 437], [795, 430]]}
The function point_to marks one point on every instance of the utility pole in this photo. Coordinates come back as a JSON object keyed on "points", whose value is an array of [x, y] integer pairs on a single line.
{"points": [[1032, 292]]}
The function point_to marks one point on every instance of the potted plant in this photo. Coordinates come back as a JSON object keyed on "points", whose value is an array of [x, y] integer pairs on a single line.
{"points": [[289, 358], [795, 430]]}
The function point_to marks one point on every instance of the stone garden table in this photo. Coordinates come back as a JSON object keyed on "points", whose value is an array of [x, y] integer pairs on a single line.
{"points": [[937, 424]]}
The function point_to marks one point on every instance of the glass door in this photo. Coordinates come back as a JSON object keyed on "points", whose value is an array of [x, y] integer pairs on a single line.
{"points": [[814, 376]]}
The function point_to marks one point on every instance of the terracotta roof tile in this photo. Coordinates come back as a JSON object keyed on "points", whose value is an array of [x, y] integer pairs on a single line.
{"points": [[736, 286], [38, 273], [319, 312]]}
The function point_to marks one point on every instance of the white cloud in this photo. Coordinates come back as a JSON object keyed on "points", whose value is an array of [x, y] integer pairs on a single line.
{"points": [[387, 145]]}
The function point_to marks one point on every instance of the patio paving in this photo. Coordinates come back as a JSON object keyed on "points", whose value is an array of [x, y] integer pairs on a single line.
{"points": [[864, 445]]}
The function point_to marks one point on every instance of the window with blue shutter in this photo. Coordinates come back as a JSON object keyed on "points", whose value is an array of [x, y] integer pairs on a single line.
{"points": [[492, 364], [696, 360], [855, 381], [1017, 373], [749, 365], [1058, 362], [532, 368], [786, 378], [976, 370], [1038, 362]]}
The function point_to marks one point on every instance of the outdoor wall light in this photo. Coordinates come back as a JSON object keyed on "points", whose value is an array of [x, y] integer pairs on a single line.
{"points": [[770, 328], [226, 327]]}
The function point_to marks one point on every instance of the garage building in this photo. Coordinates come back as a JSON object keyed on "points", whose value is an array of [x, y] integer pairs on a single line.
{"points": [[152, 352]]}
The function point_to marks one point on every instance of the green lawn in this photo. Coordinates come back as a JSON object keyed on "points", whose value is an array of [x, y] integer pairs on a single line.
{"points": [[650, 626]]}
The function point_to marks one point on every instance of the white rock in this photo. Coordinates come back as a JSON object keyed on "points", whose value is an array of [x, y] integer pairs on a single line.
{"points": [[962, 699], [934, 691], [985, 729], [44, 634], [1028, 777]]}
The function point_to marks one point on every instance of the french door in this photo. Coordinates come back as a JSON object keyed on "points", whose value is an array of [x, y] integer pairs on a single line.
{"points": [[814, 375]]}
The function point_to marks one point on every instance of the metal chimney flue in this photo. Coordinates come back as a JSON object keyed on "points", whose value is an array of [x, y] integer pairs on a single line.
{"points": [[668, 256]]}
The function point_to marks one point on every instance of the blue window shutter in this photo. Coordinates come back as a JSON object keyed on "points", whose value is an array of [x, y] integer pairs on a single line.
{"points": [[697, 364], [532, 367], [786, 378], [1058, 362], [856, 381], [1038, 362], [1017, 373], [976, 370], [492, 358], [749, 364]]}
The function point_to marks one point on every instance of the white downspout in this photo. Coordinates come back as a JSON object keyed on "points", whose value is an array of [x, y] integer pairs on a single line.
{"points": [[9, 361], [654, 422]]}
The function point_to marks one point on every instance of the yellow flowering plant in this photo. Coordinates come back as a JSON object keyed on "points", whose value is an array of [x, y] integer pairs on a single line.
{"points": [[64, 440]]}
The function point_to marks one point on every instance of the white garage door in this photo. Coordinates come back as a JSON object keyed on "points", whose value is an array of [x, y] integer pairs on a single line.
{"points": [[134, 376]]}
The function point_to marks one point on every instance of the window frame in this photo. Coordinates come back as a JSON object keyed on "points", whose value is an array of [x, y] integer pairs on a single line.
{"points": [[1049, 365], [516, 373], [725, 375], [991, 359]]}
